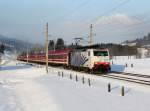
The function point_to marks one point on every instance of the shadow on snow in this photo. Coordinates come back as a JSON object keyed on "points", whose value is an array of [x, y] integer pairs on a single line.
{"points": [[118, 68], [14, 67]]}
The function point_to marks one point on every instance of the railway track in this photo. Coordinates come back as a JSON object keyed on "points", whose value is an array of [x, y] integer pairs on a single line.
{"points": [[131, 74], [130, 77]]}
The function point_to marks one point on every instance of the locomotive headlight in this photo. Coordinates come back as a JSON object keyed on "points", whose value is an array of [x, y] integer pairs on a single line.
{"points": [[96, 63], [107, 63]]}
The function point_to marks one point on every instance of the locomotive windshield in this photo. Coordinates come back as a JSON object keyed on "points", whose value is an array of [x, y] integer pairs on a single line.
{"points": [[100, 53]]}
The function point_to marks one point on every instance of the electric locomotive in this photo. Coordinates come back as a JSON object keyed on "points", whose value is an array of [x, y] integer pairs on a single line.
{"points": [[91, 59]]}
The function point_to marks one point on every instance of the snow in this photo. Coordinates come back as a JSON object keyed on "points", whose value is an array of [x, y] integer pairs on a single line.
{"points": [[28, 88], [119, 64], [25, 93]]}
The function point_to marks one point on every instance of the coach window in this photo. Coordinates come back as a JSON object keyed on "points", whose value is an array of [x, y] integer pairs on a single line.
{"points": [[89, 53]]}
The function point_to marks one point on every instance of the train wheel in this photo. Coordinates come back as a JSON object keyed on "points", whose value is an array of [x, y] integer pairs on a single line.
{"points": [[86, 70], [109, 69], [91, 71], [101, 69]]}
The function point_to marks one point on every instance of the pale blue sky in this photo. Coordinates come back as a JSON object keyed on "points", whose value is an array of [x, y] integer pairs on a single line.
{"points": [[25, 19]]}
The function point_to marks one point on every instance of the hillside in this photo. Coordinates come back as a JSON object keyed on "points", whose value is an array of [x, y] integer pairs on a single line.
{"points": [[12, 44], [140, 41]]}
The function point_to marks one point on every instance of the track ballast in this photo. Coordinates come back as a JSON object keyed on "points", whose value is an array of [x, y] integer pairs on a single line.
{"points": [[130, 77]]}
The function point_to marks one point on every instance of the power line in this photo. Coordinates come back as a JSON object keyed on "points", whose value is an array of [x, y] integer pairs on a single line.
{"points": [[129, 27], [128, 34], [111, 10], [76, 8], [81, 5]]}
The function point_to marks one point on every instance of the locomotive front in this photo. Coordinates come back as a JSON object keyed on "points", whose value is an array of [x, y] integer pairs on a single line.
{"points": [[101, 60], [91, 59]]}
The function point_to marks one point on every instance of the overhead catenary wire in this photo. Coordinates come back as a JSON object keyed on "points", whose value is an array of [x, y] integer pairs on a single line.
{"points": [[129, 28], [72, 11], [80, 6], [127, 34], [93, 21], [126, 27]]}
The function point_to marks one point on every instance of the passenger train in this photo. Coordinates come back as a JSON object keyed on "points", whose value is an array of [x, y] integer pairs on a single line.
{"points": [[90, 60]]}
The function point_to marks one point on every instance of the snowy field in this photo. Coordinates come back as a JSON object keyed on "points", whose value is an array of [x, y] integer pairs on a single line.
{"points": [[124, 64], [29, 88]]}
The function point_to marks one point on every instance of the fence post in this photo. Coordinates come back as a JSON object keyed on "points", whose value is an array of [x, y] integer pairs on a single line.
{"points": [[109, 87], [58, 73], [126, 65], [70, 76], [76, 78], [62, 74], [132, 65], [89, 82], [83, 79], [122, 91]]}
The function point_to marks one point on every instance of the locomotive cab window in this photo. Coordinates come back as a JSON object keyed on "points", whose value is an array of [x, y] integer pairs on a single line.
{"points": [[100, 53]]}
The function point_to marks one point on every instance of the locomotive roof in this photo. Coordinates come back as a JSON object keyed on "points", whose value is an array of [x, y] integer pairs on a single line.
{"points": [[97, 46], [91, 49]]}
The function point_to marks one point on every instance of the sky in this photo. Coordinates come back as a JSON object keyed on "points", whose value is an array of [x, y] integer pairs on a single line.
{"points": [[113, 20]]}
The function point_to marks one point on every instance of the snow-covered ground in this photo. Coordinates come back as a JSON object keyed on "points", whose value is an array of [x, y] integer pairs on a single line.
{"points": [[140, 66], [29, 88]]}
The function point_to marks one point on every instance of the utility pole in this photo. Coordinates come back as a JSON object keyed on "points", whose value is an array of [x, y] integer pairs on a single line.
{"points": [[78, 40], [27, 55], [46, 47], [27, 51], [54, 45], [91, 35]]}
